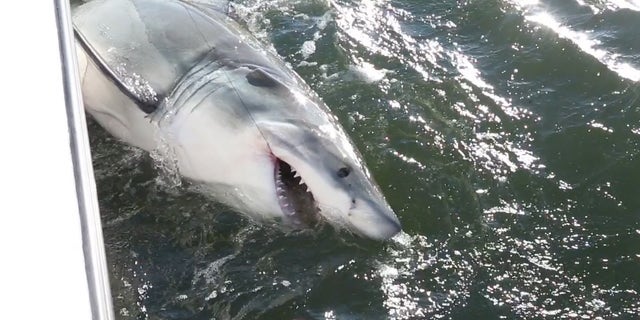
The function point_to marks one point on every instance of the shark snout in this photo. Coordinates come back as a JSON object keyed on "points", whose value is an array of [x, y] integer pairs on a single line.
{"points": [[374, 221]]}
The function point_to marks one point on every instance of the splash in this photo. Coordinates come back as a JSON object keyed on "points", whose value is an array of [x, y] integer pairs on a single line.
{"points": [[164, 156], [137, 85]]}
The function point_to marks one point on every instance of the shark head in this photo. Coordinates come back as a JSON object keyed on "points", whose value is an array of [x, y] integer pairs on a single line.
{"points": [[285, 157], [316, 179]]}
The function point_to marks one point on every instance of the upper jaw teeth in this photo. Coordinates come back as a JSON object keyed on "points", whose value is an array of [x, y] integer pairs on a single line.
{"points": [[297, 175], [289, 178]]}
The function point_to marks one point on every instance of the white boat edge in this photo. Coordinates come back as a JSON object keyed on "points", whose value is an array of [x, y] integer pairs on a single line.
{"points": [[53, 256]]}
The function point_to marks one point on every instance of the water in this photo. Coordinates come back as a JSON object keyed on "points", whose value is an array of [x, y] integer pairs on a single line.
{"points": [[505, 134]]}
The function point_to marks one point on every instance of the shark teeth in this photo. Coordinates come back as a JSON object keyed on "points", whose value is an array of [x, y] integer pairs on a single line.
{"points": [[297, 176], [294, 197]]}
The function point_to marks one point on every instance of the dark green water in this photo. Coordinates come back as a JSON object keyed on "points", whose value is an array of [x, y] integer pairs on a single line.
{"points": [[505, 134]]}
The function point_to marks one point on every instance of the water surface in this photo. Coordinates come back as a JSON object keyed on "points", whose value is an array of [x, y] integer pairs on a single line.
{"points": [[505, 134]]}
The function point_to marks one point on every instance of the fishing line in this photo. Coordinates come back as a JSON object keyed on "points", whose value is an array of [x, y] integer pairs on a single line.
{"points": [[229, 81]]}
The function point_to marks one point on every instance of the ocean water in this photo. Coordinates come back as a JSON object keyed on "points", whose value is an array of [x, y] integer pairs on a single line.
{"points": [[504, 133]]}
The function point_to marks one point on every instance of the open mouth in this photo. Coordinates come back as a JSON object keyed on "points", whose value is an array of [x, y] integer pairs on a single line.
{"points": [[294, 196]]}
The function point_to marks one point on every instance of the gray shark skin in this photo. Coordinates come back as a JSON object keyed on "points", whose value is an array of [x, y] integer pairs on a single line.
{"points": [[238, 122]]}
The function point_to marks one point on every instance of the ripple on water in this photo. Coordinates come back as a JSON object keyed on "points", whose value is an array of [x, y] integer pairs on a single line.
{"points": [[504, 133]]}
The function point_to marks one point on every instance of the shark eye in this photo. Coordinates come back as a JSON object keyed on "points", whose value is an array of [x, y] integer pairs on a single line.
{"points": [[343, 172]]}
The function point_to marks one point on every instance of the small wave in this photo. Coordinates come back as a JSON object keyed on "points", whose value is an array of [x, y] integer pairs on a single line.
{"points": [[537, 13], [612, 5]]}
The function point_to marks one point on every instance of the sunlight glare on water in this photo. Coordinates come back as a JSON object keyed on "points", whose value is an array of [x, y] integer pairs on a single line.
{"points": [[503, 133], [537, 13]]}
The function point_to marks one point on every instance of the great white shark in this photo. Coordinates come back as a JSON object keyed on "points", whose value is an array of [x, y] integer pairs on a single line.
{"points": [[237, 120]]}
